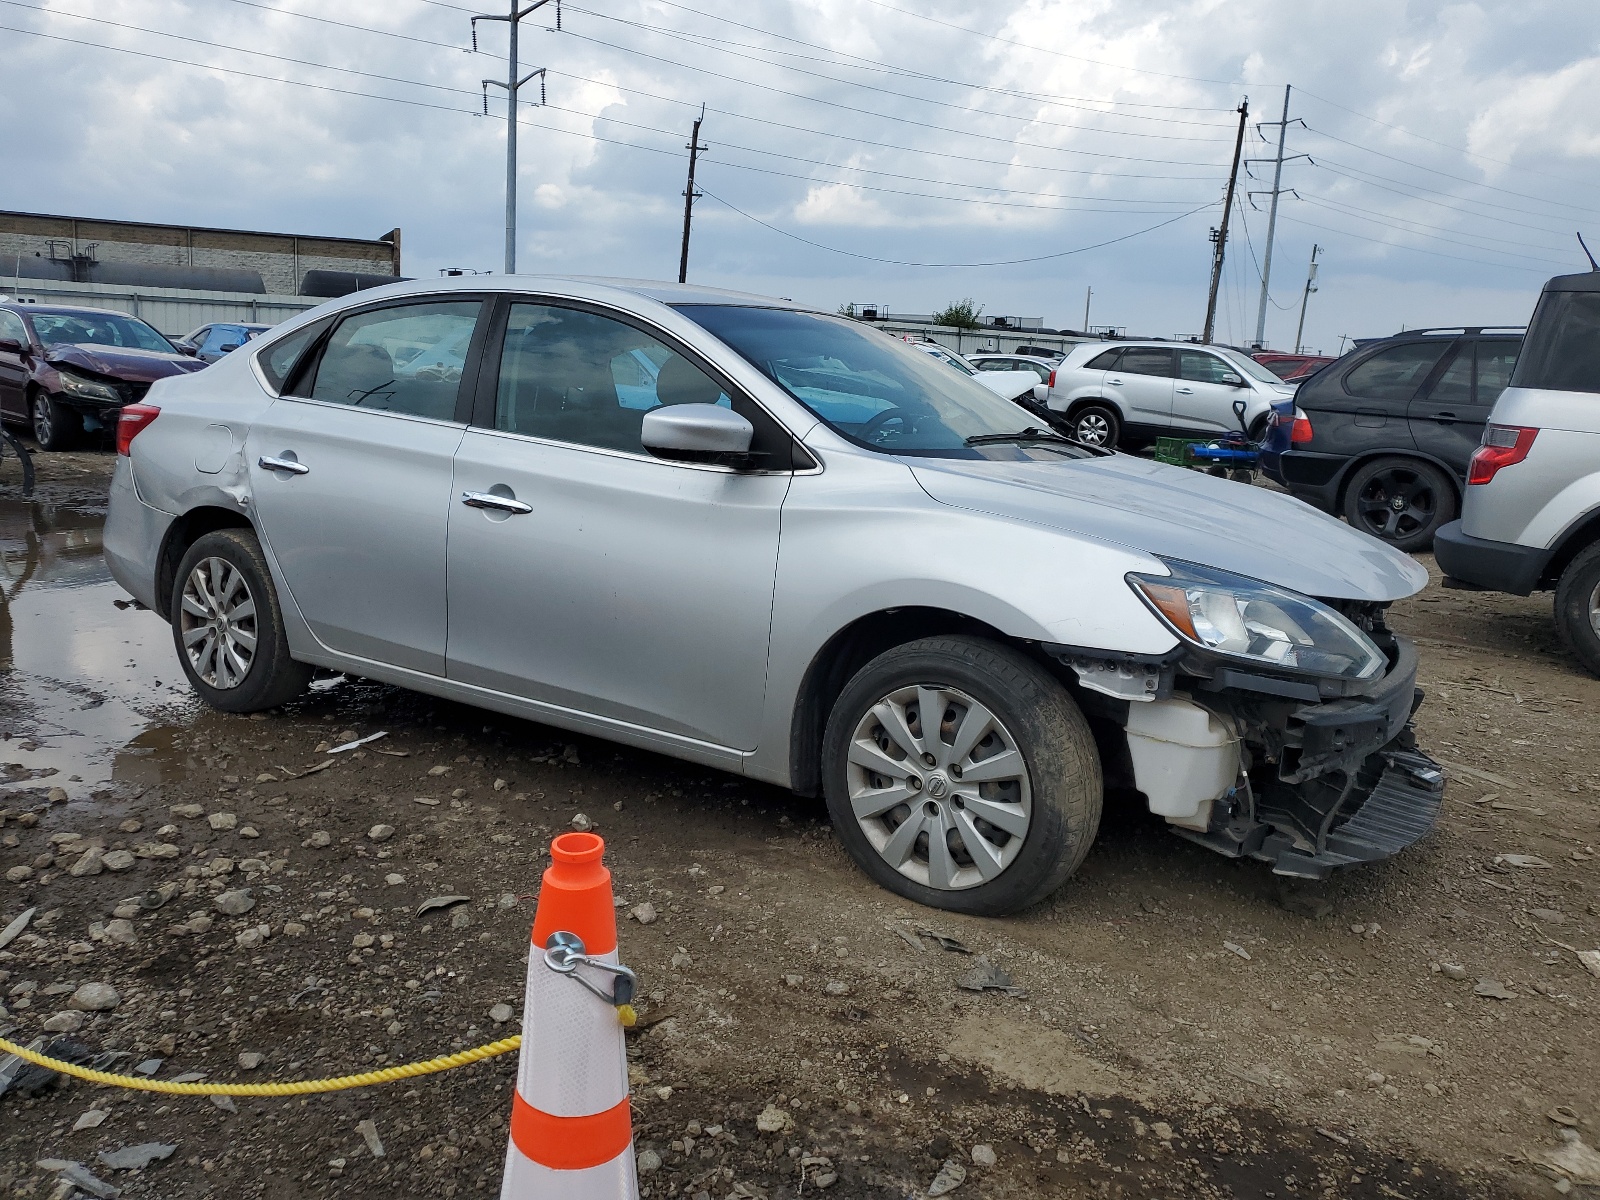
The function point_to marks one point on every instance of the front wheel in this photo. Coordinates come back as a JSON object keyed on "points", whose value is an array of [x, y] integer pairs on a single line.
{"points": [[1096, 425], [960, 774], [1403, 501], [228, 627], [55, 426], [1578, 608]]}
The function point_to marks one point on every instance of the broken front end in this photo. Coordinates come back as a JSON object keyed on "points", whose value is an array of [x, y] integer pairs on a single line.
{"points": [[1279, 729]]}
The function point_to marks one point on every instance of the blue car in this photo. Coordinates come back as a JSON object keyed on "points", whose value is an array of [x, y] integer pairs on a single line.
{"points": [[211, 342]]}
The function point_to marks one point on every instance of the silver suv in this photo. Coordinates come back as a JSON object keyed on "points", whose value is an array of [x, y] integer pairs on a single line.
{"points": [[1530, 518], [774, 541]]}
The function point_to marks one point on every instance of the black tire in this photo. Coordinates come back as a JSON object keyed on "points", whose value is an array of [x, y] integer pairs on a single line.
{"points": [[55, 426], [1096, 425], [270, 676], [1402, 501], [1578, 608], [1034, 712]]}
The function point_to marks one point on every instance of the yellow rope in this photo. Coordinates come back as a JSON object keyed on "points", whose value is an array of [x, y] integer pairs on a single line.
{"points": [[301, 1087]]}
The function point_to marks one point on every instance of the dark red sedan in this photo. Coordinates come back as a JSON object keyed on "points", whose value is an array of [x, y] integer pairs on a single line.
{"points": [[1291, 368], [69, 371]]}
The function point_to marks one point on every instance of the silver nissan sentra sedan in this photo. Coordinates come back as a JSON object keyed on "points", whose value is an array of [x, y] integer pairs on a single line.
{"points": [[771, 540]]}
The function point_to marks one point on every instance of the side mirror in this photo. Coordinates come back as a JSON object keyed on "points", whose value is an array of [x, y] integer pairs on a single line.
{"points": [[1041, 392], [1233, 380], [186, 348], [10, 345], [229, 348], [706, 433]]}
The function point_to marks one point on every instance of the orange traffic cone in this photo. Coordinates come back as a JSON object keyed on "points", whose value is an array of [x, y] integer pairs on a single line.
{"points": [[571, 1130]]}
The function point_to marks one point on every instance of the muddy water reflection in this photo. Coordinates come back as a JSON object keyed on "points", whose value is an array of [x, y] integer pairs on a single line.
{"points": [[88, 690]]}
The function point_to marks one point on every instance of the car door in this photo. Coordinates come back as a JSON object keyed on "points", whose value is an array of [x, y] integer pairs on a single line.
{"points": [[588, 575], [1142, 379], [351, 475], [14, 367], [1201, 401], [1364, 407], [1448, 421]]}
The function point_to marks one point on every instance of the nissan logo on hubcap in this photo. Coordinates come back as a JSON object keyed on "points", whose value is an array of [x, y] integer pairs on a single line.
{"points": [[937, 786]]}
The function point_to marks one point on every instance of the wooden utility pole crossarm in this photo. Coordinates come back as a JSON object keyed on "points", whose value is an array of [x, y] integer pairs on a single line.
{"points": [[1221, 232]]}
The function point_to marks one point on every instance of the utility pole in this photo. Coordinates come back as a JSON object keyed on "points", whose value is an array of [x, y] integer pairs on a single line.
{"points": [[690, 195], [512, 84], [1220, 235], [1088, 295], [1305, 296], [1272, 218]]}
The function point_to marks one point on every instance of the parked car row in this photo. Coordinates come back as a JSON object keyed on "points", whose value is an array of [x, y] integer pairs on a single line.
{"points": [[66, 372]]}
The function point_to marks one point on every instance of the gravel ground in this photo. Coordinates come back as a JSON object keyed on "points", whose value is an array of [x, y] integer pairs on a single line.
{"points": [[1185, 1025]]}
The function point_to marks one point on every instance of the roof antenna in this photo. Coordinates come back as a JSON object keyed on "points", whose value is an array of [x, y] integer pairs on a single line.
{"points": [[1594, 266]]}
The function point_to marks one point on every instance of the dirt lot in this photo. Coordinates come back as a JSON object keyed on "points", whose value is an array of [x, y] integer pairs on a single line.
{"points": [[1188, 1025]]}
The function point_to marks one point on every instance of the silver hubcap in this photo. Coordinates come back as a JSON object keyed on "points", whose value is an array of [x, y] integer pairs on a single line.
{"points": [[939, 787], [41, 420], [1093, 429], [1594, 610], [218, 622]]}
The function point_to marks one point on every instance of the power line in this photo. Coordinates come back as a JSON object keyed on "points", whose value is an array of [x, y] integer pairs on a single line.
{"points": [[1445, 174], [1366, 179], [900, 263], [1399, 223], [1412, 249], [905, 12], [857, 113], [883, 68]]}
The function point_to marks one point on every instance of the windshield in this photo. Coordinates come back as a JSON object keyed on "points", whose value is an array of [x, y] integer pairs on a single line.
{"points": [[1250, 367], [96, 329], [875, 390]]}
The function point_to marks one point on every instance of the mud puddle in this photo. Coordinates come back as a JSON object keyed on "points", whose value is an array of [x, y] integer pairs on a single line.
{"points": [[90, 691]]}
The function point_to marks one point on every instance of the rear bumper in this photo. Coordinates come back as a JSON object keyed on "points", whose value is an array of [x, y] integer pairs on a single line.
{"points": [[1313, 478], [133, 536], [1497, 566]]}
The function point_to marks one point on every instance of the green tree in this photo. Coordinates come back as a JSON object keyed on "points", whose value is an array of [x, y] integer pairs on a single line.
{"points": [[963, 314]]}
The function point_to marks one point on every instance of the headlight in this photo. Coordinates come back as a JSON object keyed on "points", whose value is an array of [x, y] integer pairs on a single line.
{"points": [[87, 389], [1247, 619]]}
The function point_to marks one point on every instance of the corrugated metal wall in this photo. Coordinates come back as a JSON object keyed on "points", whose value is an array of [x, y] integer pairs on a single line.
{"points": [[171, 310]]}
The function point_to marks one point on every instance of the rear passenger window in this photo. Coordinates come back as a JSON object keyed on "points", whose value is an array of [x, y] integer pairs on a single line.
{"points": [[279, 360], [1395, 373], [406, 359], [1140, 361], [1455, 385], [1496, 358]]}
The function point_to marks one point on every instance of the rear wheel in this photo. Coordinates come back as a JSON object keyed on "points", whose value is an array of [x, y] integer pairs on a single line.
{"points": [[55, 426], [228, 626], [961, 775], [1402, 501], [1096, 425], [1578, 608]]}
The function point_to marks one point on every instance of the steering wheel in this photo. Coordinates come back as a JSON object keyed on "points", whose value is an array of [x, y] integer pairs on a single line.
{"points": [[875, 423]]}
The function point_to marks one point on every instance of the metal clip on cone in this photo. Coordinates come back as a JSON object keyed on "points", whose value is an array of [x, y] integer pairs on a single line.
{"points": [[571, 1130]]}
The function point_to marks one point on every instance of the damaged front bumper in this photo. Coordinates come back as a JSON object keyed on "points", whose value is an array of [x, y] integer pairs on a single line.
{"points": [[1305, 774]]}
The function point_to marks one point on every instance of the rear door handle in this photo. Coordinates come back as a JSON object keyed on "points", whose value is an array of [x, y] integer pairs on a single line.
{"points": [[1185, 391], [1445, 418], [498, 503], [1114, 382], [283, 464]]}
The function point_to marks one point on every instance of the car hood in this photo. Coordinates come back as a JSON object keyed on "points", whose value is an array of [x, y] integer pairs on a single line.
{"points": [[122, 362], [1176, 513]]}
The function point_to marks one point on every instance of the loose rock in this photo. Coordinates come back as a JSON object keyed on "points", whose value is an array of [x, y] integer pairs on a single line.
{"points": [[222, 821], [644, 913], [250, 1060], [235, 903], [66, 1021], [95, 997], [774, 1120], [501, 1013], [983, 1155], [380, 833], [91, 863], [118, 860], [136, 1158], [319, 840]]}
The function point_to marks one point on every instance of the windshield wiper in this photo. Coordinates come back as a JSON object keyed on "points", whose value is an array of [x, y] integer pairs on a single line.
{"points": [[1021, 435]]}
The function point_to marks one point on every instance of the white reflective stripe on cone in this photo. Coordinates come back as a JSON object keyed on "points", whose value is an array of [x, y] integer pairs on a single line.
{"points": [[527, 1180], [574, 1062]]}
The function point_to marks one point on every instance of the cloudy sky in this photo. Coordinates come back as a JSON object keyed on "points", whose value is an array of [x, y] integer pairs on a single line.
{"points": [[857, 148]]}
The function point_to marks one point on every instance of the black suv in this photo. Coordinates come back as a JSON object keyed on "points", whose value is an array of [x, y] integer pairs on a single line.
{"points": [[1382, 436]]}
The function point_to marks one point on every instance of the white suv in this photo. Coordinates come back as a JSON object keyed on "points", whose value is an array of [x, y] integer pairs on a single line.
{"points": [[1530, 518], [1131, 392]]}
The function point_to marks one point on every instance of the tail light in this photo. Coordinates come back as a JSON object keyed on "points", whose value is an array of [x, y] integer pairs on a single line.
{"points": [[1503, 446], [1300, 432], [134, 419]]}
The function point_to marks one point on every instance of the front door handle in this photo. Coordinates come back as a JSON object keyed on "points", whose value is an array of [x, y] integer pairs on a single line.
{"points": [[498, 503], [283, 464], [1114, 382]]}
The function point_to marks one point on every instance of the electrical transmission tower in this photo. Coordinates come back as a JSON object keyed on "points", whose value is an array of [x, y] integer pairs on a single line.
{"points": [[1272, 211], [512, 85]]}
